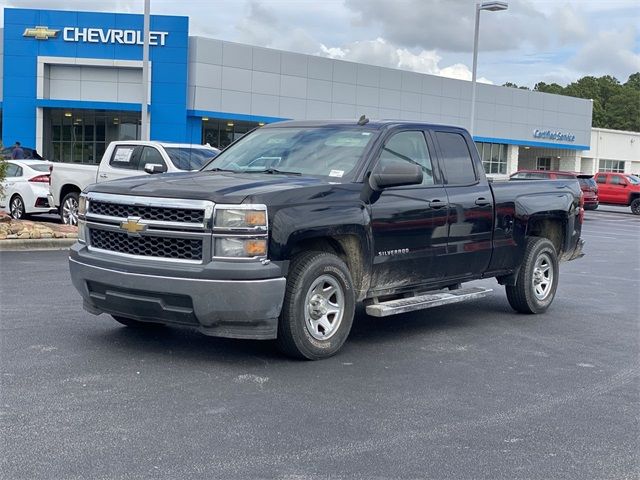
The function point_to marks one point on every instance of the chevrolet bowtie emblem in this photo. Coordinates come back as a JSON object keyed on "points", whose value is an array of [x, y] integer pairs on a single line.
{"points": [[133, 226], [40, 33]]}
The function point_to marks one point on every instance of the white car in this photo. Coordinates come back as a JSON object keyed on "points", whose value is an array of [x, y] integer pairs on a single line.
{"points": [[26, 188]]}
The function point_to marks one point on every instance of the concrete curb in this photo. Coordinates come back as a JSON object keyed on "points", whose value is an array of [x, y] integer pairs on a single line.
{"points": [[19, 244]]}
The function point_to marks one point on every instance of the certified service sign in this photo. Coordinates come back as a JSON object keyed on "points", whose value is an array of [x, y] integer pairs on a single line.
{"points": [[551, 135]]}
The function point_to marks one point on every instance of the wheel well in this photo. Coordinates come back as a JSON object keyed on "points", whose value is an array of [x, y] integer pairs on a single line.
{"points": [[551, 228], [348, 248], [633, 196], [67, 189]]}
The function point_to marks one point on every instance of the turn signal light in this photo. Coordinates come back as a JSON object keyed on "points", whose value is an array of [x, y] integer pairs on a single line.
{"points": [[255, 248]]}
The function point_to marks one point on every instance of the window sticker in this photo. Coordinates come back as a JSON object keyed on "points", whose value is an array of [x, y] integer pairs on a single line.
{"points": [[336, 173], [123, 155]]}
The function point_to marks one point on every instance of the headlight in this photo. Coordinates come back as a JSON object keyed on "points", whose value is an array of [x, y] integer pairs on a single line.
{"points": [[239, 247], [253, 217], [82, 205]]}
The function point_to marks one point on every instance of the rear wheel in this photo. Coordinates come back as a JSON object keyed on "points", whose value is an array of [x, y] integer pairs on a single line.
{"points": [[130, 322], [69, 209], [16, 207], [318, 307], [537, 280], [635, 206]]}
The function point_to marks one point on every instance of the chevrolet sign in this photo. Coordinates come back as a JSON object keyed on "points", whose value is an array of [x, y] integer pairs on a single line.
{"points": [[133, 226], [111, 35], [40, 33]]}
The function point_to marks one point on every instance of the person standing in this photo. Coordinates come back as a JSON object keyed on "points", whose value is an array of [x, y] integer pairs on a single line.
{"points": [[17, 153]]}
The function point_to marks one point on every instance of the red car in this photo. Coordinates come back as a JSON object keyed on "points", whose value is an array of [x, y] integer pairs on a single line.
{"points": [[619, 189], [587, 183]]}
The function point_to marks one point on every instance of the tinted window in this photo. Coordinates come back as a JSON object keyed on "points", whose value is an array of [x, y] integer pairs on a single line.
{"points": [[189, 158], [12, 168], [410, 147], [458, 165], [40, 168], [601, 179], [616, 180], [124, 157], [150, 155], [587, 182]]}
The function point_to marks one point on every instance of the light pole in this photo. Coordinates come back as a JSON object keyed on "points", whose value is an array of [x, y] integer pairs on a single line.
{"points": [[492, 7], [144, 123]]}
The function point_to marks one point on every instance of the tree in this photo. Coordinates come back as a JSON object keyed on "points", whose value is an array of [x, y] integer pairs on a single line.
{"points": [[615, 105]]}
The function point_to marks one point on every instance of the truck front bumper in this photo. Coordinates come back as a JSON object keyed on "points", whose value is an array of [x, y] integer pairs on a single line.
{"points": [[223, 308]]}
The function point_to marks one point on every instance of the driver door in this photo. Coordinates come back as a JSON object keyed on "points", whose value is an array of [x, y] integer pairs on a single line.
{"points": [[409, 223]]}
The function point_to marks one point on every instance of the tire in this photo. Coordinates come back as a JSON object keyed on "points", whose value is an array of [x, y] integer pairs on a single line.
{"points": [[16, 207], [537, 280], [635, 206], [69, 209], [318, 308], [130, 322]]}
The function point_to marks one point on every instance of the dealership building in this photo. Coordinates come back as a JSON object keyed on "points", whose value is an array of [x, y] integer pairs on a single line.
{"points": [[71, 82]]}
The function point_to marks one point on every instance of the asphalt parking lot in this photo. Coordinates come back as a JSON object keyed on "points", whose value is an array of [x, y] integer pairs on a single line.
{"points": [[464, 391]]}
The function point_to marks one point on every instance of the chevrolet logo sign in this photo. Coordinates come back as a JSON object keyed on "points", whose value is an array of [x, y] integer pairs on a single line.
{"points": [[40, 33], [133, 226]]}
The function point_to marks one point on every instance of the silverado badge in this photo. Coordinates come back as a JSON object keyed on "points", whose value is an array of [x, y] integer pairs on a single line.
{"points": [[133, 226]]}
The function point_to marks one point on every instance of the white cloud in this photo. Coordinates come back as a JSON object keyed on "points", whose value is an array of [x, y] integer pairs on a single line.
{"points": [[609, 53]]}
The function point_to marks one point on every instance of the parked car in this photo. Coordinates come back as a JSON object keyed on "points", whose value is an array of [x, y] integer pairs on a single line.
{"points": [[29, 153], [26, 188], [619, 189], [587, 183], [290, 226], [120, 160]]}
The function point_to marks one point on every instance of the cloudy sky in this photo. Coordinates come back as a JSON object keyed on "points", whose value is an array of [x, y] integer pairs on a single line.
{"points": [[542, 40]]}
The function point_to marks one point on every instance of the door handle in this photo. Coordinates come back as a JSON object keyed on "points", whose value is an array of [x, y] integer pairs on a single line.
{"points": [[437, 204], [482, 202], [103, 175]]}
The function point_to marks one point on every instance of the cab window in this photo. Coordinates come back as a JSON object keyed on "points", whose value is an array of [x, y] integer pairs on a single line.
{"points": [[124, 156], [457, 162], [410, 147], [601, 179], [151, 155], [616, 180]]}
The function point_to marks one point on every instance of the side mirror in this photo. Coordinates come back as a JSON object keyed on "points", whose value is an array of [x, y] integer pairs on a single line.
{"points": [[154, 168], [395, 173]]}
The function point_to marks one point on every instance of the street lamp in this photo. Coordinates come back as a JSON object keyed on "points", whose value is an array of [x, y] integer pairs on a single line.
{"points": [[144, 124], [492, 7]]}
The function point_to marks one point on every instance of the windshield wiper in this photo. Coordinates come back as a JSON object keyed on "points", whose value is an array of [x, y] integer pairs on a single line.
{"points": [[216, 169], [272, 171]]}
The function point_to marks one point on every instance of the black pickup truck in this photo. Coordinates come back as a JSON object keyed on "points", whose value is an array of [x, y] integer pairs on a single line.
{"points": [[290, 227]]}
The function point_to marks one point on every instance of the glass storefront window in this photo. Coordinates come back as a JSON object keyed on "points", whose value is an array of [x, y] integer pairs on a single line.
{"points": [[494, 157], [81, 136], [220, 133], [614, 166]]}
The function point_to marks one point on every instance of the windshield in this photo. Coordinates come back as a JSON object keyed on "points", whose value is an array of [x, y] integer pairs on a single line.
{"points": [[185, 158], [588, 182], [323, 151], [633, 179]]}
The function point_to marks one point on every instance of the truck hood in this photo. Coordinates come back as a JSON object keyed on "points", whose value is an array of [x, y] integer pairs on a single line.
{"points": [[219, 187]]}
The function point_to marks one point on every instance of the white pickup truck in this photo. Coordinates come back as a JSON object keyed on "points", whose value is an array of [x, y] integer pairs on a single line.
{"points": [[121, 159]]}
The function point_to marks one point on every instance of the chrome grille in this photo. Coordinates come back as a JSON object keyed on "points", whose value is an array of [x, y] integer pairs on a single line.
{"points": [[161, 214], [147, 246]]}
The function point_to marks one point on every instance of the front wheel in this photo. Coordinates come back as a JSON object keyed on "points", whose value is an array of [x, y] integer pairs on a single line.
{"points": [[538, 278], [69, 209], [635, 206], [318, 307]]}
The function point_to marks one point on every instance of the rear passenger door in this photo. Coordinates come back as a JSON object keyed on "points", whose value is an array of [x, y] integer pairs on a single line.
{"points": [[470, 199], [604, 188], [123, 163]]}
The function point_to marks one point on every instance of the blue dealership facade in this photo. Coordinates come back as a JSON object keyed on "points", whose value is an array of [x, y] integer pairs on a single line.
{"points": [[71, 82]]}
